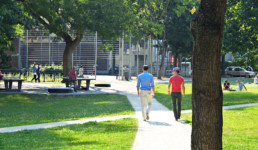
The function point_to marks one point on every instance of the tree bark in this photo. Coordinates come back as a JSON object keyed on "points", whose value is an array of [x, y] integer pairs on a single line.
{"points": [[223, 64], [67, 59], [163, 54], [175, 60], [69, 49], [207, 96]]}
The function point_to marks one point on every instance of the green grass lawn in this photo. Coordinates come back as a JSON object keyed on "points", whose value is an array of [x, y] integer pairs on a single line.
{"points": [[229, 97], [239, 133], [24, 109], [232, 81], [108, 135]]}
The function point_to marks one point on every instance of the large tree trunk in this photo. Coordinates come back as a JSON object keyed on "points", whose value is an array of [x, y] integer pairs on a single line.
{"points": [[69, 49], [114, 62], [175, 60], [223, 64], [207, 96], [67, 59], [163, 54]]}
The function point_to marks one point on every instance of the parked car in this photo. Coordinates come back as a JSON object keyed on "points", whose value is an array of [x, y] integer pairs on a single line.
{"points": [[238, 71]]}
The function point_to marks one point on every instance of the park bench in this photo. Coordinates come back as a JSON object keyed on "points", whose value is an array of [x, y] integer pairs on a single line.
{"points": [[79, 80], [9, 82]]}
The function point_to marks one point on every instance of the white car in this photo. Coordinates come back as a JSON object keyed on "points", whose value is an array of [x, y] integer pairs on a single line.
{"points": [[238, 71]]}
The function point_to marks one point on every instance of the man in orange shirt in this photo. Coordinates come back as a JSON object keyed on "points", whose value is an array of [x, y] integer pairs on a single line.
{"points": [[177, 82]]}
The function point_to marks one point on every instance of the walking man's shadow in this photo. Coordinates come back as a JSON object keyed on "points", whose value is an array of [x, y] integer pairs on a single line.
{"points": [[156, 123]]}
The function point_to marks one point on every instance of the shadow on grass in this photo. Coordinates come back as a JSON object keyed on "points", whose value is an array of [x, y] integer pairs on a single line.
{"points": [[92, 135], [188, 121], [24, 109]]}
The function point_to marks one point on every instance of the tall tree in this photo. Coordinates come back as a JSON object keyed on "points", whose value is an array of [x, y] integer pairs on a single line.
{"points": [[69, 19], [165, 15], [240, 34], [207, 98], [179, 36]]}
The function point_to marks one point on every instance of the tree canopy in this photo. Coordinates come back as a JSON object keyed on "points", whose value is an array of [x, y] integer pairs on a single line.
{"points": [[69, 19], [241, 32], [11, 19]]}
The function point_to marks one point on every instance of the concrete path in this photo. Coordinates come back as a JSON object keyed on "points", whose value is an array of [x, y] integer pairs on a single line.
{"points": [[61, 123], [161, 132]]}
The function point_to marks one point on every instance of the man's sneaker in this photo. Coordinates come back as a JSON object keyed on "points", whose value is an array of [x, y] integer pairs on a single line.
{"points": [[148, 117], [144, 119]]}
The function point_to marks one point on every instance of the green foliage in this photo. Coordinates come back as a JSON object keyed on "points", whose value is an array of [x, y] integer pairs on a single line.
{"points": [[67, 17], [240, 31], [110, 135], [17, 109], [10, 20], [231, 63], [52, 67], [178, 27]]}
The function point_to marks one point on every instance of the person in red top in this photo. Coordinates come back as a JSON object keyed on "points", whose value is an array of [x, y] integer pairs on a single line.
{"points": [[1, 76], [177, 82], [72, 78]]}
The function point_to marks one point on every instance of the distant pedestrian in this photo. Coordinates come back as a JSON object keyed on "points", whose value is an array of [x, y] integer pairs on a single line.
{"points": [[38, 72], [256, 79], [145, 83], [177, 82], [77, 67], [72, 78], [34, 72], [1, 76], [93, 70], [81, 71]]}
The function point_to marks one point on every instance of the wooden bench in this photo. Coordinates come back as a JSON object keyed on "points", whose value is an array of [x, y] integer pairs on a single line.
{"points": [[9, 83], [79, 81]]}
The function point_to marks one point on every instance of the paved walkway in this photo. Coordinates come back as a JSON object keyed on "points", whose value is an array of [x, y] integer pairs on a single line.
{"points": [[161, 132], [61, 123]]}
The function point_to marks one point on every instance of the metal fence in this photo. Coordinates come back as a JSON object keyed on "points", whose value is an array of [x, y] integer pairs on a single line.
{"points": [[46, 49]]}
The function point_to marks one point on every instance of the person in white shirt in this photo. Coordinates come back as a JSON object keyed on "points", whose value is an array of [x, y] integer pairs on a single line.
{"points": [[81, 71], [256, 79]]}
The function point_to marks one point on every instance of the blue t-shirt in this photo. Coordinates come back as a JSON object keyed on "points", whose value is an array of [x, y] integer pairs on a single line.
{"points": [[38, 70], [34, 69], [145, 80], [240, 85]]}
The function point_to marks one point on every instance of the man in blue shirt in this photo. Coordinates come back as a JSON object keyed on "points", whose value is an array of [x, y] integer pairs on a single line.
{"points": [[145, 83]]}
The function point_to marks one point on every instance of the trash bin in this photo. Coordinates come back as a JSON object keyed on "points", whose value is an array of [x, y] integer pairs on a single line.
{"points": [[126, 74]]}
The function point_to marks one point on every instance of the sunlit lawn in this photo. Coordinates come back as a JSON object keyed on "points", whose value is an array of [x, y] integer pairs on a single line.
{"points": [[108, 135], [229, 97], [239, 128], [24, 109]]}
